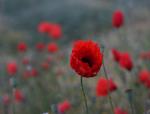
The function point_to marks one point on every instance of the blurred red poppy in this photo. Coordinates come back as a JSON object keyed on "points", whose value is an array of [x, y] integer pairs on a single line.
{"points": [[45, 65], [40, 46], [52, 47], [118, 19], [34, 72], [12, 68], [19, 97], [145, 55], [22, 47], [56, 31], [64, 106], [86, 58], [116, 55], [144, 75], [126, 61], [119, 110], [44, 27], [5, 99], [25, 61], [105, 86]]}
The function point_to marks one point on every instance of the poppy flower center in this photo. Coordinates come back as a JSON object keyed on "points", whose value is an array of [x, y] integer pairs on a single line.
{"points": [[87, 60]]}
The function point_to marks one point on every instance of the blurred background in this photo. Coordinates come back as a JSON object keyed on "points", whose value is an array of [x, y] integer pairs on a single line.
{"points": [[45, 79]]}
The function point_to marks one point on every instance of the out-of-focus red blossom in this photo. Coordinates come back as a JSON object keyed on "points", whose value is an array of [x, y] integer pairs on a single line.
{"points": [[11, 68], [56, 31], [5, 99], [60, 72], [45, 65], [64, 106], [147, 84], [19, 96], [105, 86], [116, 55], [22, 47], [126, 61], [112, 85], [119, 110], [118, 19], [40, 46], [34, 72], [26, 74], [49, 59], [144, 75], [25, 61], [44, 27], [145, 55], [86, 58], [52, 47]]}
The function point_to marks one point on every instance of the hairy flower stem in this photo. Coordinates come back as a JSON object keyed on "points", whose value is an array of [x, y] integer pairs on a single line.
{"points": [[109, 96], [84, 96]]}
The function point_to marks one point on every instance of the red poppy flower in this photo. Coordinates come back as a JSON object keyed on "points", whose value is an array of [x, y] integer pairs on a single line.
{"points": [[144, 75], [44, 27], [119, 110], [117, 19], [11, 68], [86, 58], [34, 72], [56, 31], [102, 87], [5, 99], [145, 55], [116, 55], [112, 85], [25, 61], [22, 47], [45, 65], [126, 61], [147, 83], [105, 86], [19, 97], [52, 47], [64, 106], [40, 46], [26, 74]]}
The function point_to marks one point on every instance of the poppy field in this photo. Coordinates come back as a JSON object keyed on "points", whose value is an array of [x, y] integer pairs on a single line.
{"points": [[74, 57]]}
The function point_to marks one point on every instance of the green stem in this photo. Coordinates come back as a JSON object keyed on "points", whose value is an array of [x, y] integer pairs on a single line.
{"points": [[83, 92], [109, 95], [13, 101], [131, 106]]}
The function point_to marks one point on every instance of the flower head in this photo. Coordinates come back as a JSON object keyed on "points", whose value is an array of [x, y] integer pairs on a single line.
{"points": [[119, 110], [5, 99], [64, 106], [11, 68], [117, 19], [116, 55], [19, 97], [144, 75], [56, 31], [25, 60], [105, 86], [40, 46], [52, 47], [86, 58], [44, 27], [126, 61], [22, 47], [45, 65]]}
